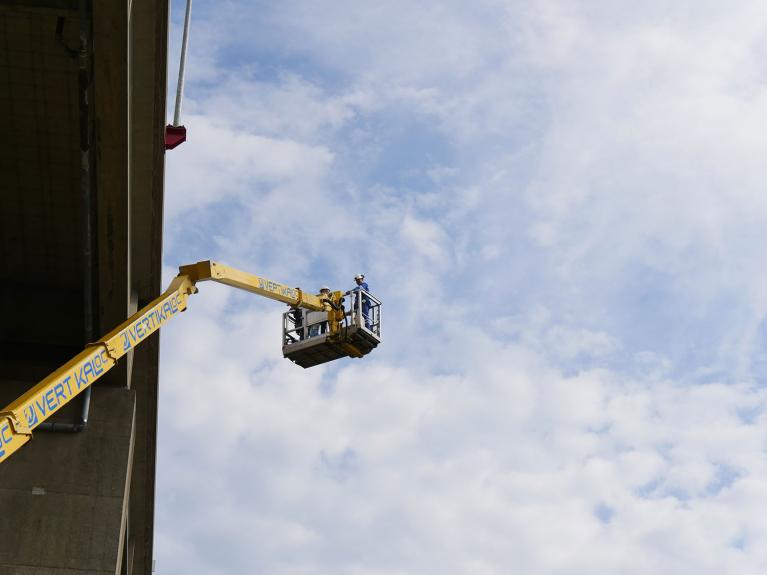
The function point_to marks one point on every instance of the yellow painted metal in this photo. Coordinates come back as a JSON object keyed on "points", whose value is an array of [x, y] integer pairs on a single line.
{"points": [[207, 270], [335, 313], [18, 419], [351, 349]]}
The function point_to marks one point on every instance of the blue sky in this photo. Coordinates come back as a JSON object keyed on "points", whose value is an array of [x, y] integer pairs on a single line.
{"points": [[561, 205]]}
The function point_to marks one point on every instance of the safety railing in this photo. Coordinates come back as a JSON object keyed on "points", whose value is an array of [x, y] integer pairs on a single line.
{"points": [[299, 325], [293, 328], [363, 310]]}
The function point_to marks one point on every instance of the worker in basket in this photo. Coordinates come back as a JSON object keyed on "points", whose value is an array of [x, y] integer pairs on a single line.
{"points": [[361, 285], [321, 327]]}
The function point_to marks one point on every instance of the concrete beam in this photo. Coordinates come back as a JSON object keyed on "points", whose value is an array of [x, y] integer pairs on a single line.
{"points": [[66, 492], [111, 100], [149, 54]]}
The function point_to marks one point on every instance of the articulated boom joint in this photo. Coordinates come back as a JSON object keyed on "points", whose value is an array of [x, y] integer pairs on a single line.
{"points": [[299, 298], [108, 347], [18, 424], [316, 329]]}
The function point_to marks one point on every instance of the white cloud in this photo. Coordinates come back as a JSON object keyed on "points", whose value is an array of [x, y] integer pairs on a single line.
{"points": [[221, 163], [560, 206], [425, 237], [507, 464]]}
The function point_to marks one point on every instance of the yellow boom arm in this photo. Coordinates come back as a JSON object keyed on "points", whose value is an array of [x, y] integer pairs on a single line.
{"points": [[18, 419]]}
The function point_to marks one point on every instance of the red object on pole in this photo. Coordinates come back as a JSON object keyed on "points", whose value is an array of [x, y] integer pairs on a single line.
{"points": [[174, 135]]}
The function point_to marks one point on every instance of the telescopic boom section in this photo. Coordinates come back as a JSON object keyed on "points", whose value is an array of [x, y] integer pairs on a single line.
{"points": [[18, 419], [207, 270]]}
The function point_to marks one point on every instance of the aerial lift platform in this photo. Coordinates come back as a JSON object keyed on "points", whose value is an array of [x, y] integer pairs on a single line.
{"points": [[309, 338], [317, 329]]}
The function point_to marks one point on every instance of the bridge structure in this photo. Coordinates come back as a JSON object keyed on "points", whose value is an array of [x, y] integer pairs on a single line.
{"points": [[82, 127]]}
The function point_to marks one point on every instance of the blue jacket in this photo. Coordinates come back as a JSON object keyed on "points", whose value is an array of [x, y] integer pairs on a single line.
{"points": [[356, 291]]}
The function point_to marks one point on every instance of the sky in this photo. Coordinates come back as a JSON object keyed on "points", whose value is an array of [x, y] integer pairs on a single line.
{"points": [[561, 205]]}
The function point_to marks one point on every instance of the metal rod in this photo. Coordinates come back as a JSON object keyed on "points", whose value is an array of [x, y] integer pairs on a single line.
{"points": [[182, 63]]}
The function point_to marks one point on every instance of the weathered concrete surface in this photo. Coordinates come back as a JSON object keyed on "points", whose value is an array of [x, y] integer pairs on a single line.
{"points": [[99, 517], [148, 47], [62, 495], [111, 105], [40, 241]]}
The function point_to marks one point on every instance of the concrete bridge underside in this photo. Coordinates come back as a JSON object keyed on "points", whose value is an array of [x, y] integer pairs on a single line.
{"points": [[81, 146]]}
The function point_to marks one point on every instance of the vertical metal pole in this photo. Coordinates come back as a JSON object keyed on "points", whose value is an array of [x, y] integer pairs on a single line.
{"points": [[182, 63]]}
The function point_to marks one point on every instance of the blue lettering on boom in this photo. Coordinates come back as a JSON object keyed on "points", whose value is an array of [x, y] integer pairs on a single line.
{"points": [[5, 437], [80, 378], [31, 415], [42, 407], [58, 391], [50, 400], [274, 287], [146, 325], [88, 370], [82, 375], [98, 364]]}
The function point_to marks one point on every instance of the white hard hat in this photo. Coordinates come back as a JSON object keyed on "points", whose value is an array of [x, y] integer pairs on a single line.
{"points": [[324, 288], [359, 277]]}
